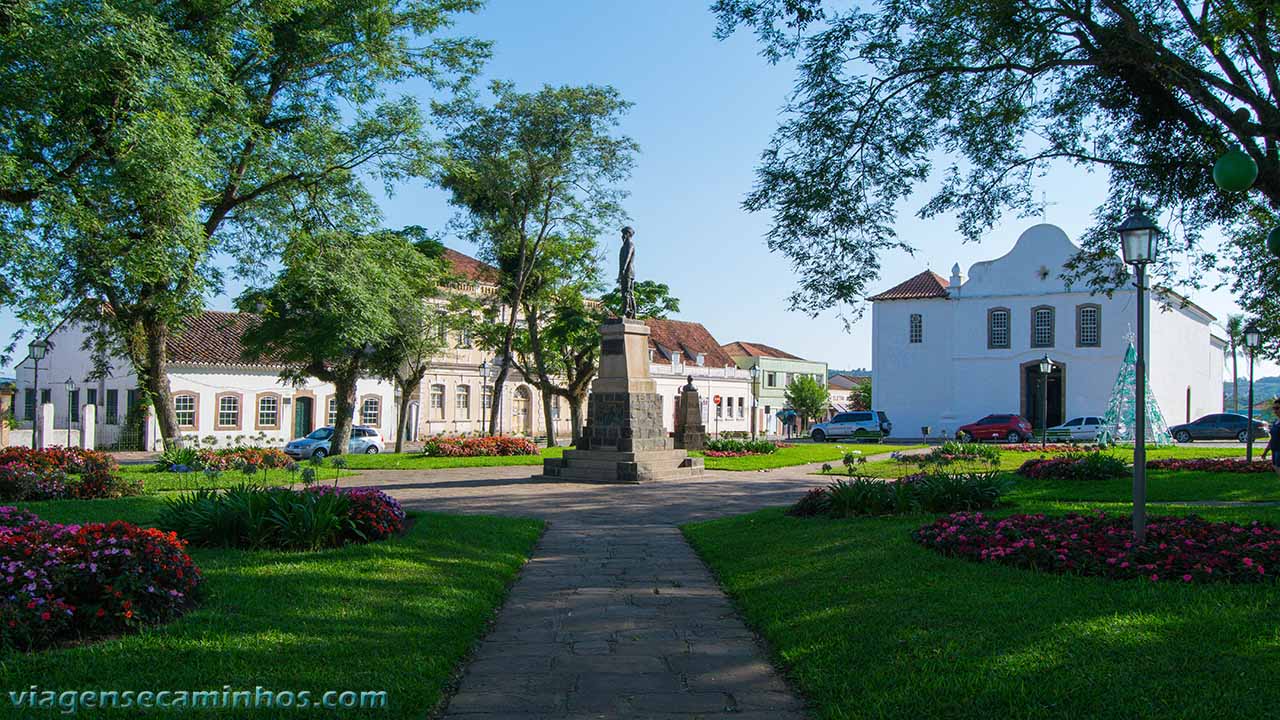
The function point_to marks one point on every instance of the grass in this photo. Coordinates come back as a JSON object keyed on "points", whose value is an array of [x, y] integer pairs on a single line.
{"points": [[418, 461], [871, 625], [1010, 461], [1162, 486], [397, 615], [803, 453], [154, 480]]}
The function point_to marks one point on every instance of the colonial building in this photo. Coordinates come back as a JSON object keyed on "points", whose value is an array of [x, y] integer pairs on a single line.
{"points": [[776, 368], [679, 350], [947, 351]]}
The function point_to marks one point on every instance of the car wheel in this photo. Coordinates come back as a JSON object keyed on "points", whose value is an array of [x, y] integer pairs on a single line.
{"points": [[319, 453], [1013, 437], [371, 450], [1242, 436], [1182, 436], [964, 437], [819, 436]]}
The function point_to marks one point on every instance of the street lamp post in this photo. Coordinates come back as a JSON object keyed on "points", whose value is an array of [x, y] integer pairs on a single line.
{"points": [[755, 399], [1252, 339], [36, 349], [1046, 367], [1139, 239], [71, 388]]}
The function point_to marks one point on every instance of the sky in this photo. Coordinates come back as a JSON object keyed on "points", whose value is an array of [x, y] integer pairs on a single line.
{"points": [[704, 109]]}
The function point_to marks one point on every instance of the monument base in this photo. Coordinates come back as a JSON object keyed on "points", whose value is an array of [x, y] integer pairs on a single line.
{"points": [[615, 466]]}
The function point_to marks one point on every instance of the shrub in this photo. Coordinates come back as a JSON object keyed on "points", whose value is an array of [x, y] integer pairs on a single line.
{"points": [[1231, 465], [727, 447], [1094, 466], [178, 457], [235, 457], [952, 452], [1057, 448], [58, 473], [442, 446], [1179, 549], [254, 517], [930, 492], [65, 582]]}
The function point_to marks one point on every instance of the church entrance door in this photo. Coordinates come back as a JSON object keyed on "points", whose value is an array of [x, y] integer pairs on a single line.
{"points": [[1034, 393]]}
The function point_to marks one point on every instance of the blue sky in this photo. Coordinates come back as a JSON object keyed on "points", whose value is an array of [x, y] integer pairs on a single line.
{"points": [[704, 109]]}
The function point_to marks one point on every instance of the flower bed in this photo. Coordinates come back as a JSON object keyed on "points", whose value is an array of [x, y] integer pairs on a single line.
{"points": [[1232, 465], [1180, 549], [494, 445], [258, 518], [1093, 466], [1057, 448], [930, 492], [60, 473], [726, 447], [186, 459], [952, 452], [64, 582]]}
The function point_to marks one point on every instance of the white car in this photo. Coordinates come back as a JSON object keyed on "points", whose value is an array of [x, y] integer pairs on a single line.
{"points": [[1077, 428]]}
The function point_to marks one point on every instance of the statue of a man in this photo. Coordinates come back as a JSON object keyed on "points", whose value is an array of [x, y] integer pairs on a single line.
{"points": [[627, 274]]}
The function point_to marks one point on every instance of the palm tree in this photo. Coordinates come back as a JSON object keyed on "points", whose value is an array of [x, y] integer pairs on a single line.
{"points": [[1235, 336]]}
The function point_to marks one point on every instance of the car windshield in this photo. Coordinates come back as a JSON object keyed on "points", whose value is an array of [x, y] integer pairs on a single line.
{"points": [[321, 434]]}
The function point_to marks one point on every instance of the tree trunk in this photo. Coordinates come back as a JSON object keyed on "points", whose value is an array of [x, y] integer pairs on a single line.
{"points": [[540, 365], [344, 389], [402, 423], [154, 374], [1235, 378], [547, 397], [507, 342], [575, 417]]}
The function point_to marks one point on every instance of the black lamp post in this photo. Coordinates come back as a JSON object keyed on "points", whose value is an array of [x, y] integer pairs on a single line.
{"points": [[755, 399], [1046, 367], [37, 349], [1252, 339], [1139, 238], [71, 388]]}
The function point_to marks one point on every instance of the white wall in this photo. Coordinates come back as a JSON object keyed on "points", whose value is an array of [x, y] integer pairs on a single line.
{"points": [[731, 384]]}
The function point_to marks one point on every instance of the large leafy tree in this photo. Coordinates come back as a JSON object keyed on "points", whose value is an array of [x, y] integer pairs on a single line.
{"points": [[528, 169], [807, 397], [335, 312], [981, 99], [142, 139]]}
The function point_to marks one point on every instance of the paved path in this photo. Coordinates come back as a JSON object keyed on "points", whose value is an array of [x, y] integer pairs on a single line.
{"points": [[614, 616]]}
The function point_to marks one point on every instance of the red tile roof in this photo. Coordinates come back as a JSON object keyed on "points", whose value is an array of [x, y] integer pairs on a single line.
{"points": [[213, 338], [755, 349], [469, 267], [689, 338], [927, 284]]}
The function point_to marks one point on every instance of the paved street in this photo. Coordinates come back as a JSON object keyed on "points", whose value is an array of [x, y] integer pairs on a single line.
{"points": [[614, 616]]}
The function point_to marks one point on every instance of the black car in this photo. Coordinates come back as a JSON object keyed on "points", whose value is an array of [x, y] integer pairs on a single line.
{"points": [[1219, 426]]}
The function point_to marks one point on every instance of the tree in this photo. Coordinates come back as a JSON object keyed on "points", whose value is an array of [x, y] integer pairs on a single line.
{"points": [[1235, 337], [860, 396], [529, 168], [807, 397], [653, 300], [1152, 92], [133, 158], [335, 308]]}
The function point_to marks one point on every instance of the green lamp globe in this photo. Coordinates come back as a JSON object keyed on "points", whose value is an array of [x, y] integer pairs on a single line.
{"points": [[1235, 171], [1273, 241]]}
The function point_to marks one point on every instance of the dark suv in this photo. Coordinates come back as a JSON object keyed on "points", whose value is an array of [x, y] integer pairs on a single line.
{"points": [[1012, 428], [1219, 426]]}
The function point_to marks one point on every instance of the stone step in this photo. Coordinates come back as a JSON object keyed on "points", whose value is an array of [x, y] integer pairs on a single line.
{"points": [[594, 476], [619, 456]]}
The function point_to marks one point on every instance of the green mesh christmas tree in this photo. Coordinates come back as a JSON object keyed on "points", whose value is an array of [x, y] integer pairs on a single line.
{"points": [[1118, 423]]}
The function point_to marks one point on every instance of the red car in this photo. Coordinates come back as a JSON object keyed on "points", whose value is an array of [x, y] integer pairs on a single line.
{"points": [[1011, 428]]}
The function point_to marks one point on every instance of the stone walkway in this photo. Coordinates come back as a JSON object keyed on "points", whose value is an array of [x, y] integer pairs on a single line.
{"points": [[614, 616]]}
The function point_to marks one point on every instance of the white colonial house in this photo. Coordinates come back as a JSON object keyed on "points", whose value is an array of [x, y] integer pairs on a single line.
{"points": [[679, 350], [946, 352]]}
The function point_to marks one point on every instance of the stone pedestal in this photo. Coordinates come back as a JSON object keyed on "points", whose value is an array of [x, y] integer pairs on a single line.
{"points": [[624, 440], [691, 433]]}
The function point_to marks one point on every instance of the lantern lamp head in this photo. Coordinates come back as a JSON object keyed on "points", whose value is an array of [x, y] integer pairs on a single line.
{"points": [[71, 384], [37, 349], [1139, 238], [1252, 337], [1046, 365]]}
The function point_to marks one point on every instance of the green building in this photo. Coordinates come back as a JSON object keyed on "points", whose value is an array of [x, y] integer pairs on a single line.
{"points": [[776, 368]]}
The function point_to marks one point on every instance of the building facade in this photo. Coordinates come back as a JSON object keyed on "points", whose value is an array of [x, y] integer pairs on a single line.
{"points": [[679, 350], [947, 351], [777, 368]]}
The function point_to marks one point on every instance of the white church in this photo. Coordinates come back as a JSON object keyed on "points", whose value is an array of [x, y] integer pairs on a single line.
{"points": [[946, 352]]}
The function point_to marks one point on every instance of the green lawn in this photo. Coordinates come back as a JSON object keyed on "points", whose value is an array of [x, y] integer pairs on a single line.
{"points": [[154, 480], [1013, 460], [1162, 486], [870, 625], [397, 616], [418, 461], [803, 453]]}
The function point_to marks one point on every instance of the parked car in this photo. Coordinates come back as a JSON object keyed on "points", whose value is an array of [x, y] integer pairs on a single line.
{"points": [[1219, 426], [364, 439], [1077, 428], [856, 425], [1012, 428]]}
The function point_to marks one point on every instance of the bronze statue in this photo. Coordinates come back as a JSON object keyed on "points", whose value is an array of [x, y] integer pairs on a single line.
{"points": [[626, 273]]}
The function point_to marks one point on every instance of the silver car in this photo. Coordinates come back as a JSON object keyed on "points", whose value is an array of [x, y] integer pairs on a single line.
{"points": [[856, 425], [1077, 428], [364, 439]]}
